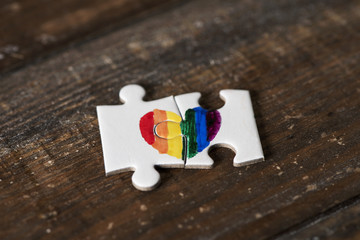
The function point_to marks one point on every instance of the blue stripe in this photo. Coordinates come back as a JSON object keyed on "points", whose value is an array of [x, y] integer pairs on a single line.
{"points": [[201, 128]]}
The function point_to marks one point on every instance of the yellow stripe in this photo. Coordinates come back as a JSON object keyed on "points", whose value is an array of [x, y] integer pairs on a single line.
{"points": [[175, 145], [173, 117]]}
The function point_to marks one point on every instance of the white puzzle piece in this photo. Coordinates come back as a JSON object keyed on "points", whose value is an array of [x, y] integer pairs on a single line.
{"points": [[174, 132], [238, 129], [124, 148]]}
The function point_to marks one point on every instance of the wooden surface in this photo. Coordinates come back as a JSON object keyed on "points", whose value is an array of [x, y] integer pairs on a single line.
{"points": [[299, 59], [33, 29]]}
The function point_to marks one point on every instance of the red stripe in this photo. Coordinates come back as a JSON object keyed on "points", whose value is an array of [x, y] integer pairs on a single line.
{"points": [[147, 127]]}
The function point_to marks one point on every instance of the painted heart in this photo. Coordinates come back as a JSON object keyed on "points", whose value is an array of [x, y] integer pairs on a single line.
{"points": [[168, 133]]}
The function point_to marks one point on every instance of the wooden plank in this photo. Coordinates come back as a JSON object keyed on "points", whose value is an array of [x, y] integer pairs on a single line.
{"points": [[343, 223], [30, 30], [300, 62]]}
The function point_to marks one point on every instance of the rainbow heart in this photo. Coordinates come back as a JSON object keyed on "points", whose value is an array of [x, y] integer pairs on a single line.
{"points": [[168, 133]]}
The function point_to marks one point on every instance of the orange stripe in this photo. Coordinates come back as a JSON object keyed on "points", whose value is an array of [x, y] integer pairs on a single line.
{"points": [[160, 144], [159, 116]]}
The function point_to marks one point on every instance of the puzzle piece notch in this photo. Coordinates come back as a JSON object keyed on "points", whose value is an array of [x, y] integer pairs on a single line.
{"points": [[124, 149], [238, 129]]}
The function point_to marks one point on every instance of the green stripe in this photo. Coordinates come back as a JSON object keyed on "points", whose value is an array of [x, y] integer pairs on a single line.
{"points": [[188, 129]]}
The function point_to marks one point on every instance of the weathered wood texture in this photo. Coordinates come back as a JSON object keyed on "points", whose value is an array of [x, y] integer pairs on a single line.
{"points": [[299, 59], [342, 223], [33, 29]]}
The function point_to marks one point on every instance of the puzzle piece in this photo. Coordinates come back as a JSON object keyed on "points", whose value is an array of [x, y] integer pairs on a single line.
{"points": [[124, 148], [238, 129], [178, 131]]}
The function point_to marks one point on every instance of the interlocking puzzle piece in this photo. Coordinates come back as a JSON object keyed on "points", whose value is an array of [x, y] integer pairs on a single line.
{"points": [[179, 132], [238, 129], [124, 148]]}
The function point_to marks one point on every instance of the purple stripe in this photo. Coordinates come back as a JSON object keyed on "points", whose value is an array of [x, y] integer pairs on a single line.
{"points": [[213, 120]]}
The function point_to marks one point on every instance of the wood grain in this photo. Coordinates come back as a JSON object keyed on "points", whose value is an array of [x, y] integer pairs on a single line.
{"points": [[299, 59], [31, 30], [341, 222]]}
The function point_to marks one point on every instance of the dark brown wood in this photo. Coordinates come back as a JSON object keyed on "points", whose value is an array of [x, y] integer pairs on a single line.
{"points": [[299, 59], [341, 223], [30, 30]]}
